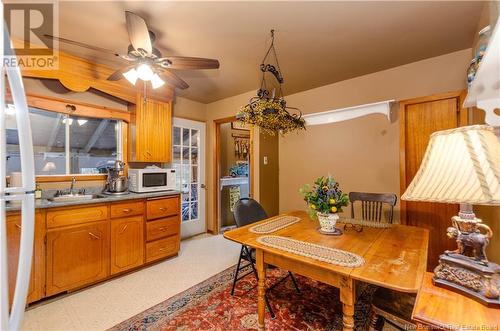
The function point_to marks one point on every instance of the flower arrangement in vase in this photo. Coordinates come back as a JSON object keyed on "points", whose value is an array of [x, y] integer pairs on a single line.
{"points": [[325, 200]]}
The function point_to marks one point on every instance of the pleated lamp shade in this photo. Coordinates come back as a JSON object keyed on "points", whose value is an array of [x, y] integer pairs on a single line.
{"points": [[460, 166]]}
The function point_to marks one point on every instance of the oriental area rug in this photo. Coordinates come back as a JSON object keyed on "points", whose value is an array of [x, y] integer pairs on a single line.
{"points": [[210, 306]]}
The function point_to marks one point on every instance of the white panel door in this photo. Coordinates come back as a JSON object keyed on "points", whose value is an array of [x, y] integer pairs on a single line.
{"points": [[189, 164]]}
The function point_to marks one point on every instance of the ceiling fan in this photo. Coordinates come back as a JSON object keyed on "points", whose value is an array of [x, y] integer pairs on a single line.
{"points": [[145, 61]]}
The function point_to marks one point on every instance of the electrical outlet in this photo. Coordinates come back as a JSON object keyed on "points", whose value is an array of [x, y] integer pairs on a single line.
{"points": [[265, 160]]}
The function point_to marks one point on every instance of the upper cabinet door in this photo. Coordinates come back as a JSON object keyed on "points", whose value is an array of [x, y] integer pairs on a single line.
{"points": [[150, 131]]}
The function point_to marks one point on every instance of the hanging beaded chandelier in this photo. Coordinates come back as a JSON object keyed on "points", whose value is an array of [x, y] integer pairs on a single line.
{"points": [[267, 109]]}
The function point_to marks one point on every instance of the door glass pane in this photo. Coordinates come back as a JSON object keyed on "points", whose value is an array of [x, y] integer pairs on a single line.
{"points": [[194, 192], [194, 155], [194, 174], [177, 135], [194, 210], [194, 138], [93, 144], [185, 155], [177, 154], [185, 212], [185, 137]]}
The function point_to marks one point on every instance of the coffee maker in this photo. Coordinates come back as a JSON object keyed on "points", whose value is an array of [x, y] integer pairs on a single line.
{"points": [[116, 184]]}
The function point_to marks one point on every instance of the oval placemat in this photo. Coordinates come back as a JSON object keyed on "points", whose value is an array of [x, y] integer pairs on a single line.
{"points": [[274, 224], [321, 253]]}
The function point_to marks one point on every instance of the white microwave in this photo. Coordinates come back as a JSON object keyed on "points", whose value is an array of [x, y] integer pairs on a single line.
{"points": [[151, 179]]}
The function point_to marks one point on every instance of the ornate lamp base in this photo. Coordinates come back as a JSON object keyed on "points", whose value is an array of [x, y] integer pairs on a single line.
{"points": [[479, 281]]}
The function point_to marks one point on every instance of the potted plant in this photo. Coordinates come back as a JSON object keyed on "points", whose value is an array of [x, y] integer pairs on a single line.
{"points": [[325, 200]]}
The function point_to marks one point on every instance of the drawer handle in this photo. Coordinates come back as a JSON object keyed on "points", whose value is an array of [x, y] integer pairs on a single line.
{"points": [[127, 210], [93, 236], [163, 228], [163, 208], [124, 228], [18, 226], [161, 249]]}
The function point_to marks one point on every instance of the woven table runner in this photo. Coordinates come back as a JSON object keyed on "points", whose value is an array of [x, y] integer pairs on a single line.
{"points": [[274, 224], [369, 224], [313, 251]]}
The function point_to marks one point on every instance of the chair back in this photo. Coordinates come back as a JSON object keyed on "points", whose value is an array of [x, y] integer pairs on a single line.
{"points": [[248, 211], [372, 205]]}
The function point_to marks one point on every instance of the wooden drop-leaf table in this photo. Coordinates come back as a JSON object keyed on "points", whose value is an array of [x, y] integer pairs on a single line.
{"points": [[395, 258]]}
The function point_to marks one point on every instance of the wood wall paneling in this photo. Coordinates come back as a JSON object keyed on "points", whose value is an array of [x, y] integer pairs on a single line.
{"points": [[419, 118]]}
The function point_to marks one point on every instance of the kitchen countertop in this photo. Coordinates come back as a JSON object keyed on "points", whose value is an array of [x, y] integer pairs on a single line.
{"points": [[44, 203]]}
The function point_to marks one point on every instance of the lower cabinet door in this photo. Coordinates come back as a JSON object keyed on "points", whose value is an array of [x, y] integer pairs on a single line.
{"points": [[127, 243], [77, 256], [14, 225]]}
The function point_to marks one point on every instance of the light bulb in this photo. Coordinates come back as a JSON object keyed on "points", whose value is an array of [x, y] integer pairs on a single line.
{"points": [[131, 76], [144, 72], [81, 122], [156, 81]]}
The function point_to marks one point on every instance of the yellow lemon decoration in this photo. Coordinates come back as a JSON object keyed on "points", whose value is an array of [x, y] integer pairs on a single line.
{"points": [[334, 209], [313, 206], [332, 201]]}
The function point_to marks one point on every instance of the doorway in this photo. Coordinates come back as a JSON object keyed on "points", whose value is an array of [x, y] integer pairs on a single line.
{"points": [[189, 164], [233, 169]]}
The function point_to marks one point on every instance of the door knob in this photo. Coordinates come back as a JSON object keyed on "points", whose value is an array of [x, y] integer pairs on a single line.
{"points": [[203, 186]]}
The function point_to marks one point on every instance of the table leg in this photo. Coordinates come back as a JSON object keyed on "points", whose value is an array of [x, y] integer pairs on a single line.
{"points": [[348, 299], [261, 287]]}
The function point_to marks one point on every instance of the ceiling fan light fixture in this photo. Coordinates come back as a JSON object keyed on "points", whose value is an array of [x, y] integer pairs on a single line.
{"points": [[145, 72], [131, 76], [156, 81]]}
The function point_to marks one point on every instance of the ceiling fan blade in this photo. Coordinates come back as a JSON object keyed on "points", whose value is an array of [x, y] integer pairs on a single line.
{"points": [[80, 44], [183, 62], [173, 79], [118, 74], [138, 32]]}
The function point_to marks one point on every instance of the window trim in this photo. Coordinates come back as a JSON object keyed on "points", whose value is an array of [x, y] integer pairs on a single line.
{"points": [[70, 107]]}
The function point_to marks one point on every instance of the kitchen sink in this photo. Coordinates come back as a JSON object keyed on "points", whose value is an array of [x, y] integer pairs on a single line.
{"points": [[75, 197]]}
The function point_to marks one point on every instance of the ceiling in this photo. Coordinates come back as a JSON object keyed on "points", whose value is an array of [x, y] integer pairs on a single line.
{"points": [[318, 43]]}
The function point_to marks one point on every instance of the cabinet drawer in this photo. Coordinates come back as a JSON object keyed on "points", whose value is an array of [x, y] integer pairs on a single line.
{"points": [[74, 216], [127, 209], [159, 208], [161, 228], [162, 248]]}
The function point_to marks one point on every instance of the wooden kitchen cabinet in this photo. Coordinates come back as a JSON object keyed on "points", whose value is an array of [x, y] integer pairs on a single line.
{"points": [[150, 131], [127, 243], [37, 279], [77, 256]]}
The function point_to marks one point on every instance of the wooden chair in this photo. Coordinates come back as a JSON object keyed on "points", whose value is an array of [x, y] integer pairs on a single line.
{"points": [[248, 211], [372, 205], [387, 305]]}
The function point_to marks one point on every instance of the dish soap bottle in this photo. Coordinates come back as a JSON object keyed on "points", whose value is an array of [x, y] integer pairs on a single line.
{"points": [[38, 191]]}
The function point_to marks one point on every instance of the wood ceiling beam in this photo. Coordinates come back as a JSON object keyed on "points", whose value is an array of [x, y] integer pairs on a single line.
{"points": [[96, 135], [54, 131], [80, 75]]}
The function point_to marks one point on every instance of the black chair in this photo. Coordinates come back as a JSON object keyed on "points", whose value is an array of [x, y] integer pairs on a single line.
{"points": [[248, 211], [387, 305]]}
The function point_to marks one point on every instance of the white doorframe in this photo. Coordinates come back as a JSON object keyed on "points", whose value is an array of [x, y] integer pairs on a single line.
{"points": [[193, 203]]}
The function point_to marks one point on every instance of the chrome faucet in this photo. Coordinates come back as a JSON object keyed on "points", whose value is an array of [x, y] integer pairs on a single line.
{"points": [[72, 187]]}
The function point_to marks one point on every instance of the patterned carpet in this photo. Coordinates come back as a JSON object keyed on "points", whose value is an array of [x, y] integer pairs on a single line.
{"points": [[210, 306]]}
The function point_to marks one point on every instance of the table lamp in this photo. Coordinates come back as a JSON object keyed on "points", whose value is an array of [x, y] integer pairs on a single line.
{"points": [[463, 166]]}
